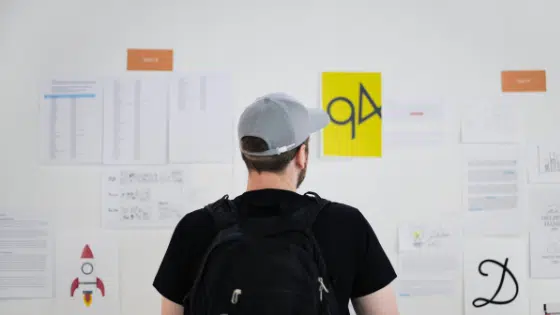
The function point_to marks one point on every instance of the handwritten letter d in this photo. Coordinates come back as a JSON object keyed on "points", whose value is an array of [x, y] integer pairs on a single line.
{"points": [[480, 302]]}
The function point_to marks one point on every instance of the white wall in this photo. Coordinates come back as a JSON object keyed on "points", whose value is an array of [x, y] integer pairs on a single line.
{"points": [[449, 50]]}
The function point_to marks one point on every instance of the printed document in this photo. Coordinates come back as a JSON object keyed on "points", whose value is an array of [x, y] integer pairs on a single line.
{"points": [[201, 122], [143, 197], [71, 121], [429, 259], [413, 124], [491, 122], [135, 121], [493, 184], [544, 202], [26, 254]]}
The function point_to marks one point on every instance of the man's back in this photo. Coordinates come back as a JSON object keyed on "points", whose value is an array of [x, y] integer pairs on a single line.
{"points": [[356, 263]]}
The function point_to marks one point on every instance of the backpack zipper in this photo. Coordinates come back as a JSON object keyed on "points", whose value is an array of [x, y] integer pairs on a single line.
{"points": [[235, 296], [322, 287]]}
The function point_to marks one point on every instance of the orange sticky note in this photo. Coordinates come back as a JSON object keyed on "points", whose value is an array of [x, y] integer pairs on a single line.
{"points": [[524, 81], [150, 59]]}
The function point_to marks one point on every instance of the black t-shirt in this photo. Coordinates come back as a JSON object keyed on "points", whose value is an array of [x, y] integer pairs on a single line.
{"points": [[356, 261]]}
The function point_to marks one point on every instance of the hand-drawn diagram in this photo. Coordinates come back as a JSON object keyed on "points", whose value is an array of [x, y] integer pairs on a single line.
{"points": [[143, 197], [87, 281]]}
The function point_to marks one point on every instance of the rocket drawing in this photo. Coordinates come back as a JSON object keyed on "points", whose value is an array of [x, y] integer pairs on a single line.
{"points": [[87, 282]]}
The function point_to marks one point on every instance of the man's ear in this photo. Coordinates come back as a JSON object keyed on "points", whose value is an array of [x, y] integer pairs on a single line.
{"points": [[301, 156]]}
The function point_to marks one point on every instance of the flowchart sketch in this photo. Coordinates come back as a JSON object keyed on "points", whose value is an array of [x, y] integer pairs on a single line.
{"points": [[141, 198]]}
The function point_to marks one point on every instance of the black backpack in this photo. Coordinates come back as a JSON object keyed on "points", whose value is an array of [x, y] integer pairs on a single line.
{"points": [[262, 265]]}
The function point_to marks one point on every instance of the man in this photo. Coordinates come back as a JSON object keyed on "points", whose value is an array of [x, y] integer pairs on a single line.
{"points": [[274, 134]]}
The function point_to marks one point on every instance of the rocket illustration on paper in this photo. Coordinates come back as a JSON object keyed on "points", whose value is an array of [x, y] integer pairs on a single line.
{"points": [[87, 282]]}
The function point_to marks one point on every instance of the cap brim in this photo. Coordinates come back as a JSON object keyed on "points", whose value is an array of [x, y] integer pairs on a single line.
{"points": [[318, 119]]}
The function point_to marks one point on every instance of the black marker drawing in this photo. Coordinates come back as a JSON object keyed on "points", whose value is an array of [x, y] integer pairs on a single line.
{"points": [[351, 119], [480, 302]]}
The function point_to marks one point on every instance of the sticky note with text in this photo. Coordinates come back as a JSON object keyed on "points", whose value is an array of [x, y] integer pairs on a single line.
{"points": [[150, 60], [524, 81], [353, 102]]}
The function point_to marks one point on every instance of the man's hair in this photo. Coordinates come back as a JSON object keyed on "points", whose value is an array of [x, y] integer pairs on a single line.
{"points": [[273, 164]]}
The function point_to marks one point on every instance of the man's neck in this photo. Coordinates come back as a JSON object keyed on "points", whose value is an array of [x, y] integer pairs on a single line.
{"points": [[268, 181]]}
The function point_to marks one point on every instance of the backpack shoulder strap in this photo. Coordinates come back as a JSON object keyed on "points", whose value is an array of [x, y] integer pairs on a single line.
{"points": [[224, 212], [312, 212]]}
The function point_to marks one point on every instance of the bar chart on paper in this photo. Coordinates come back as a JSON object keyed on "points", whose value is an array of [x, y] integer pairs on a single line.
{"points": [[549, 160], [545, 163]]}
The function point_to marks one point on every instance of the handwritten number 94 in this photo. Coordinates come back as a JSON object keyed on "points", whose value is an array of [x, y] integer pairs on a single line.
{"points": [[351, 119]]}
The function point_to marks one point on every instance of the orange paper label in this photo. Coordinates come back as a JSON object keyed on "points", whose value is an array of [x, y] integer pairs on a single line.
{"points": [[150, 59], [524, 81]]}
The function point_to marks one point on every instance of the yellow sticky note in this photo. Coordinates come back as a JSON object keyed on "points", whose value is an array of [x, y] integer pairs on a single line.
{"points": [[353, 102]]}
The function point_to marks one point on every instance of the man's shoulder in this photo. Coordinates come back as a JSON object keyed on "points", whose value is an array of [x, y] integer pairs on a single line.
{"points": [[197, 220], [334, 211], [343, 214], [343, 209], [201, 219]]}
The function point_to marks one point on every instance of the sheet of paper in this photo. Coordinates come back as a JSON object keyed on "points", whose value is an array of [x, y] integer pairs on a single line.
{"points": [[135, 121], [413, 124], [491, 122], [201, 122], [496, 276], [87, 276], [142, 197], [544, 162], [493, 186], [551, 308], [26, 254], [71, 121], [429, 259], [544, 202]]}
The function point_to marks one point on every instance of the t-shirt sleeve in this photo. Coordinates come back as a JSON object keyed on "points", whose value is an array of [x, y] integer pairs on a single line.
{"points": [[373, 268], [179, 265]]}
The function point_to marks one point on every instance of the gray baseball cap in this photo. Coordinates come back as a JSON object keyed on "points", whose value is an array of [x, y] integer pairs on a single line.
{"points": [[281, 121]]}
